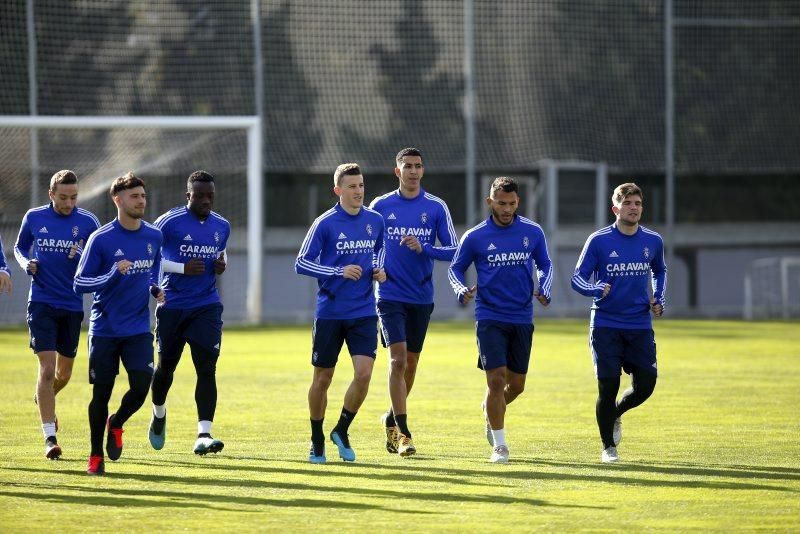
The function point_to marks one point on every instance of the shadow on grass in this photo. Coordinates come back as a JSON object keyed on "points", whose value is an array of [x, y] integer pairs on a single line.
{"points": [[403, 496], [170, 499]]}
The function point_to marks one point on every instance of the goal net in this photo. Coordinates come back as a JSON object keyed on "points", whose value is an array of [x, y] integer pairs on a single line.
{"points": [[772, 288]]}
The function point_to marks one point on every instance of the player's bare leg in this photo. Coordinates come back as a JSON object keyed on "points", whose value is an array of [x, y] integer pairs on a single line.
{"points": [[46, 400], [496, 412]]}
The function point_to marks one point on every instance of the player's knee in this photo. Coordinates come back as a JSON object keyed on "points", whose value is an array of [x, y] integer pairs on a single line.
{"points": [[206, 368], [496, 383], [515, 389], [63, 375], [644, 384], [362, 377], [322, 381], [398, 365], [47, 373], [167, 366], [139, 382]]}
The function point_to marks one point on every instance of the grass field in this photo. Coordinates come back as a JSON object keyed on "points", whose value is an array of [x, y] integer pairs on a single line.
{"points": [[716, 448]]}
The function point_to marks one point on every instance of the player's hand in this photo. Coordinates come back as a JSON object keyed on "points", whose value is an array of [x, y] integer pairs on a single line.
{"points": [[469, 295], [5, 282], [541, 298], [73, 250], [379, 275], [606, 290], [219, 264], [352, 272], [33, 267], [194, 267], [411, 242], [123, 266], [658, 309]]}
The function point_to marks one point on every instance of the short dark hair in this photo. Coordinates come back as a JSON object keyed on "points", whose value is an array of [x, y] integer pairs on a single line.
{"points": [[199, 176], [126, 181], [65, 177], [345, 169], [409, 151], [623, 191], [508, 185]]}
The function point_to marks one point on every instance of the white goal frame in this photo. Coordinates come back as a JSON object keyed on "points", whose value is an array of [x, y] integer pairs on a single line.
{"points": [[782, 264], [255, 205]]}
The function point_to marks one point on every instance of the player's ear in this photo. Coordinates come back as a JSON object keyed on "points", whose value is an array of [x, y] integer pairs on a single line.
{"points": [[397, 171], [489, 201], [337, 190], [188, 196], [615, 210]]}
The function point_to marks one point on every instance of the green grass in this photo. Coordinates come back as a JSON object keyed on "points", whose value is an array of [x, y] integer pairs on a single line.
{"points": [[715, 448]]}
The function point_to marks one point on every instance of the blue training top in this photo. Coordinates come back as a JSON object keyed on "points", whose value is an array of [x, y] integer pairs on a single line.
{"points": [[47, 237], [627, 263], [3, 265], [505, 258], [409, 275], [120, 304], [187, 237], [335, 240]]}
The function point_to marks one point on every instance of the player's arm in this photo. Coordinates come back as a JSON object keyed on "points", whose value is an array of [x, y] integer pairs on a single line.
{"points": [[456, 273], [587, 266], [156, 271], [308, 259], [448, 239], [22, 248], [5, 274], [658, 278], [379, 258], [91, 275], [544, 270]]}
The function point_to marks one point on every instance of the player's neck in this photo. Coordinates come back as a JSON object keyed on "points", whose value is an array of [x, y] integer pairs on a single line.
{"points": [[349, 209], [128, 222], [627, 229], [410, 193]]}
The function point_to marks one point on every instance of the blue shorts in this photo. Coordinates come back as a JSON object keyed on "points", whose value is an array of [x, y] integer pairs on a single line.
{"points": [[200, 327], [504, 345], [54, 329], [136, 353], [617, 349], [402, 321], [328, 335]]}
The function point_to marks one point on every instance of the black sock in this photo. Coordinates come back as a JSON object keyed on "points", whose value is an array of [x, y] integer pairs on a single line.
{"points": [[317, 435], [390, 420], [51, 440], [98, 413], [204, 435], [606, 409], [402, 424], [344, 420]]}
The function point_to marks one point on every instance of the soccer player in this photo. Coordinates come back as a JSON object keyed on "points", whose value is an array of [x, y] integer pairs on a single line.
{"points": [[193, 254], [344, 251], [48, 248], [120, 266], [508, 250], [414, 219], [5, 274], [616, 266]]}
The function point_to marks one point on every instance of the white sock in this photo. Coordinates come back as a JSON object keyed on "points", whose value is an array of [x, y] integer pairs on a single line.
{"points": [[499, 437], [204, 427], [160, 411], [48, 429]]}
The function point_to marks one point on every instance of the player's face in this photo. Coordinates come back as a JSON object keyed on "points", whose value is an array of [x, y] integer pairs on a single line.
{"points": [[351, 191], [503, 206], [629, 211], [132, 202], [410, 173], [64, 198], [201, 198]]}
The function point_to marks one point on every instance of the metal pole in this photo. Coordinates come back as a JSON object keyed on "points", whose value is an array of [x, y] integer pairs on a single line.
{"points": [[600, 198], [255, 178], [33, 107], [669, 141], [469, 108]]}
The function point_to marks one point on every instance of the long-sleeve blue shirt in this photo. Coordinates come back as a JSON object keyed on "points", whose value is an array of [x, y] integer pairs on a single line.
{"points": [[187, 237], [505, 258], [409, 275], [47, 237], [3, 265], [335, 240], [120, 304], [628, 263]]}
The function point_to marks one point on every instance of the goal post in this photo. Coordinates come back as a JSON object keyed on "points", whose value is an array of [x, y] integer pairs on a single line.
{"points": [[772, 288], [255, 205]]}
